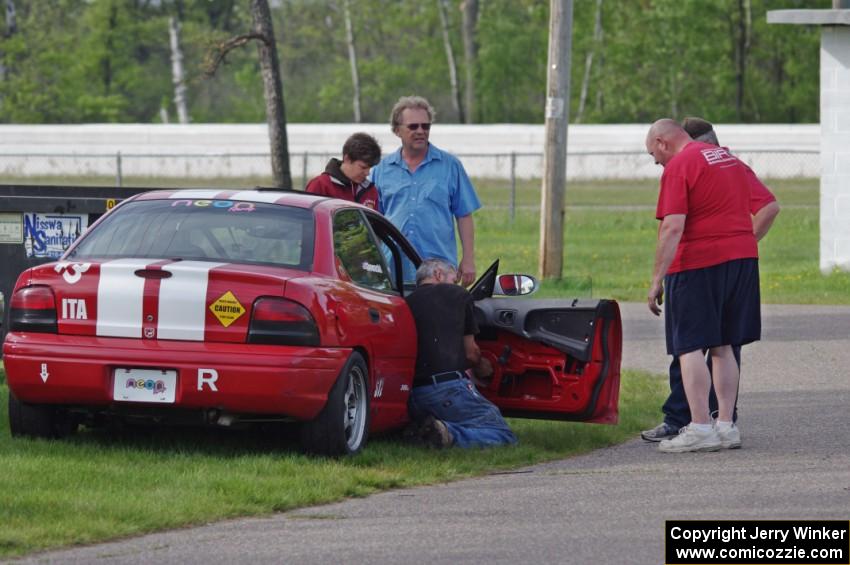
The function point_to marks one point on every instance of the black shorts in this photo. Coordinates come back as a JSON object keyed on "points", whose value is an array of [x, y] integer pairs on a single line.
{"points": [[718, 305]]}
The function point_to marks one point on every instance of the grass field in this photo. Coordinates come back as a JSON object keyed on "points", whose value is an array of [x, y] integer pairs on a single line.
{"points": [[98, 486]]}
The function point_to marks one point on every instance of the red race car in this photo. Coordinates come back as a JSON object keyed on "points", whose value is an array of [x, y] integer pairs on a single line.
{"points": [[231, 307]]}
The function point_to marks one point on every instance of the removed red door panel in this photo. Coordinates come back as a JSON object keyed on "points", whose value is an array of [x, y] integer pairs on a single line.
{"points": [[552, 359]]}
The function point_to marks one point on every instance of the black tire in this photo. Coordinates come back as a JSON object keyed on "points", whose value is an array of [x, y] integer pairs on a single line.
{"points": [[342, 427], [39, 420]]}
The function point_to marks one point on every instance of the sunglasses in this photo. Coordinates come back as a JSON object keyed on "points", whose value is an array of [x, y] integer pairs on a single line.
{"points": [[414, 127]]}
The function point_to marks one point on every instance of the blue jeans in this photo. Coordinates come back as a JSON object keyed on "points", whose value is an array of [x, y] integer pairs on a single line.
{"points": [[472, 420], [677, 413]]}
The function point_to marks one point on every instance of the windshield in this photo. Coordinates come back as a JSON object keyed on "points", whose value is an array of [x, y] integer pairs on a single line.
{"points": [[204, 230]]}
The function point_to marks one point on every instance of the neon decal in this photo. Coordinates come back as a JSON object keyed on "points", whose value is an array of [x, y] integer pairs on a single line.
{"points": [[243, 207], [230, 205], [156, 387]]}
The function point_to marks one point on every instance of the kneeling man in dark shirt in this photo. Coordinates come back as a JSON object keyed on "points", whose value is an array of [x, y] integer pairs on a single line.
{"points": [[444, 404]]}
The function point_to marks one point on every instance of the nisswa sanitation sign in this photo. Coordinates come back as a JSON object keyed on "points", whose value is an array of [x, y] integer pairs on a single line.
{"points": [[49, 235]]}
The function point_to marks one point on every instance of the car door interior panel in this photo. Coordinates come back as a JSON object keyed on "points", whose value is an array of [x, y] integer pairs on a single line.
{"points": [[552, 359]]}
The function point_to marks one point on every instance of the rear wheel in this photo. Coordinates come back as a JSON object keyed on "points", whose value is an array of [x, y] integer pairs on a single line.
{"points": [[341, 428], [39, 420]]}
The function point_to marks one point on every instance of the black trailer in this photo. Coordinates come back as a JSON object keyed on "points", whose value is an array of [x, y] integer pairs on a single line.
{"points": [[37, 223]]}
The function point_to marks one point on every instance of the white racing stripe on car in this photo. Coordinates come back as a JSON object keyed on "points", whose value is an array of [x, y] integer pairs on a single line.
{"points": [[119, 298], [203, 194], [183, 300], [256, 196]]}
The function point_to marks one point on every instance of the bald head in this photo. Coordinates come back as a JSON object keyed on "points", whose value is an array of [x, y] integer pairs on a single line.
{"points": [[665, 139], [669, 130]]}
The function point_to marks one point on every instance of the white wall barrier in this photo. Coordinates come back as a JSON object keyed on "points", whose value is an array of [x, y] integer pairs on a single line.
{"points": [[496, 151]]}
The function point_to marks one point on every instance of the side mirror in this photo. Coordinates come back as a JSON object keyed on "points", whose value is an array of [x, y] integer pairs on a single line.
{"points": [[515, 285]]}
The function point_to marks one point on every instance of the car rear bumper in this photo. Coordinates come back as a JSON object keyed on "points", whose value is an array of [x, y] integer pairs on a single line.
{"points": [[256, 379]]}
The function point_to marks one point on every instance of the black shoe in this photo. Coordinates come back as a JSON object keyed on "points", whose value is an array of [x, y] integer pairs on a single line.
{"points": [[660, 432], [435, 433]]}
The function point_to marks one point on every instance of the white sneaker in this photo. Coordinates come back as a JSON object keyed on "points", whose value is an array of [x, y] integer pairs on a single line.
{"points": [[690, 439], [730, 437]]}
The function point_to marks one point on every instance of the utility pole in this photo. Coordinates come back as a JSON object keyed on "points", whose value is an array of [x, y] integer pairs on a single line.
{"points": [[555, 151]]}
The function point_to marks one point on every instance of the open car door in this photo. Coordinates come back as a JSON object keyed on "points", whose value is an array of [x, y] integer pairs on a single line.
{"points": [[552, 359]]}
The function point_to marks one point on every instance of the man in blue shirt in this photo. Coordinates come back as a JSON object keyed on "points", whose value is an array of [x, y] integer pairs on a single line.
{"points": [[424, 190]]}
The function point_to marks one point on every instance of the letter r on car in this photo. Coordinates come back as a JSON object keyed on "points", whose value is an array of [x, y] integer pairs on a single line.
{"points": [[207, 377]]}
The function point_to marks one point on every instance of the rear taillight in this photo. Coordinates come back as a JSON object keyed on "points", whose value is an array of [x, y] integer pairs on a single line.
{"points": [[277, 321], [33, 309]]}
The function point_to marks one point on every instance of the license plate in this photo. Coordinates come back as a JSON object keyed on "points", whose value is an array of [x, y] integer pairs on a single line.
{"points": [[144, 385]]}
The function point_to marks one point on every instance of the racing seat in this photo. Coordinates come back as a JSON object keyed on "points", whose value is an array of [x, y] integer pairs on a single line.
{"points": [[182, 246]]}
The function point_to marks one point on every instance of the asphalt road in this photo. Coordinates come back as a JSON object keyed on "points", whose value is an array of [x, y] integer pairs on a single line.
{"points": [[605, 507]]}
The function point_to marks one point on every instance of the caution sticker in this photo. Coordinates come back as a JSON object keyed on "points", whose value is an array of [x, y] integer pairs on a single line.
{"points": [[227, 309]]}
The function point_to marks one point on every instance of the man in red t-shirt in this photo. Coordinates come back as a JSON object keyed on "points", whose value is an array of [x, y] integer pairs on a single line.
{"points": [[706, 264], [346, 179], [764, 209]]}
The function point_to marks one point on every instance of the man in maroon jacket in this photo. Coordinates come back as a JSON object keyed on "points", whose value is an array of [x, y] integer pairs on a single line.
{"points": [[346, 179]]}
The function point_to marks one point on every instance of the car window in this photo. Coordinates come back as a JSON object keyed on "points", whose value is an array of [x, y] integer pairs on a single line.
{"points": [[357, 251], [397, 258], [214, 230]]}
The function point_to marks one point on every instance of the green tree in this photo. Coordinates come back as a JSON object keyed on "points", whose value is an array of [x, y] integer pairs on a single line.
{"points": [[74, 61], [41, 69], [785, 69], [673, 58], [513, 45], [125, 61]]}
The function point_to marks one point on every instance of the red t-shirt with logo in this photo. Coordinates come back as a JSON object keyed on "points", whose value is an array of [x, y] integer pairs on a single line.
{"points": [[717, 193], [760, 195]]}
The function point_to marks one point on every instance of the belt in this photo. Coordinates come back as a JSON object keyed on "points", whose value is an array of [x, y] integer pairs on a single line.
{"points": [[440, 378]]}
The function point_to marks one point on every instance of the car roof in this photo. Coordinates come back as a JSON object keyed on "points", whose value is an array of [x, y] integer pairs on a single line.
{"points": [[295, 198]]}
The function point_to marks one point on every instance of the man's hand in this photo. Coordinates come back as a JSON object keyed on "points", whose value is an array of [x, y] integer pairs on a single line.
{"points": [[669, 234], [482, 373], [466, 271], [655, 298], [484, 369], [466, 230]]}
